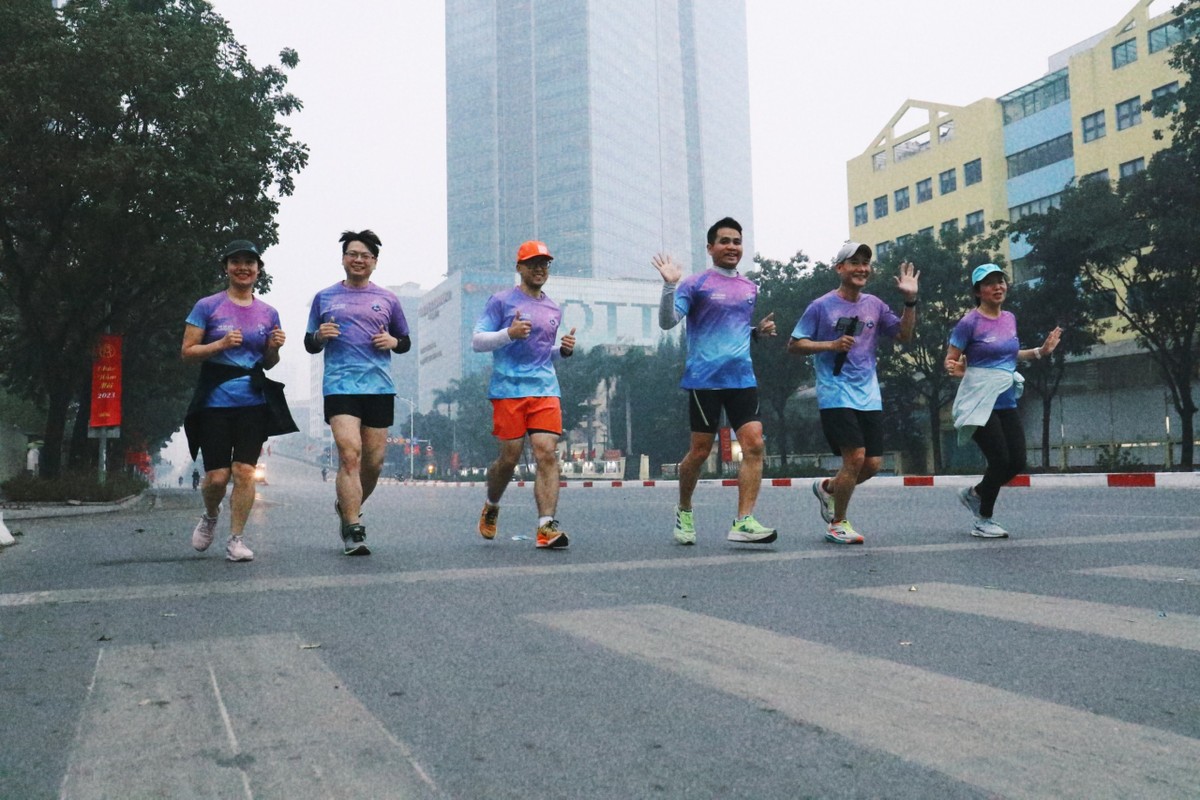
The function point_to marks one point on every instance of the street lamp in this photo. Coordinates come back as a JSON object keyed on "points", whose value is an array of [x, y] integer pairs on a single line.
{"points": [[412, 412]]}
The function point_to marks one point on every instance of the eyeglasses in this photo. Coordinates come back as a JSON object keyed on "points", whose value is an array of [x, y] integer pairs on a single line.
{"points": [[536, 265], [355, 255]]}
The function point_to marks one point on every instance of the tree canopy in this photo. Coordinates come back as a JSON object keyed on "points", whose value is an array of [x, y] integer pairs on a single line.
{"points": [[137, 139]]}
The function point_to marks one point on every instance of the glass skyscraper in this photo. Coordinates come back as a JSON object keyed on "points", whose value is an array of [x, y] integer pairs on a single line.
{"points": [[610, 129]]}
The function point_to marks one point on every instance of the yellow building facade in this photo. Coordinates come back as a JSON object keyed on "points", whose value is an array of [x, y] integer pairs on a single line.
{"points": [[936, 166]]}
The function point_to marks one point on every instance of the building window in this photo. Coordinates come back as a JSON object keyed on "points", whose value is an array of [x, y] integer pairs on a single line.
{"points": [[973, 172], [879, 161], [1050, 91], [881, 207], [1039, 206], [949, 226], [901, 241], [1165, 36], [1131, 168], [975, 223], [860, 214], [948, 181], [1129, 113], [1167, 90], [1098, 175], [901, 199], [1093, 127], [925, 190], [926, 232], [1124, 53], [882, 249], [1041, 155]]}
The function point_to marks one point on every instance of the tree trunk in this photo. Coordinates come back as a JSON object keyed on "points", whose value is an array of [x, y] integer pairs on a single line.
{"points": [[935, 436], [58, 399], [1047, 410]]}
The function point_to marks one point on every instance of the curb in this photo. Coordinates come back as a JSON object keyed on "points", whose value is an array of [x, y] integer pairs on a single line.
{"points": [[1115, 480], [43, 510]]}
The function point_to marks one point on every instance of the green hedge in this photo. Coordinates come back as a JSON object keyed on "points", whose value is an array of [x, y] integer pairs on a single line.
{"points": [[72, 486]]}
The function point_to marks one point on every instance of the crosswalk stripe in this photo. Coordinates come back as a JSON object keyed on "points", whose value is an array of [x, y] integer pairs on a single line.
{"points": [[244, 585], [1131, 623], [991, 738], [1147, 572], [231, 717]]}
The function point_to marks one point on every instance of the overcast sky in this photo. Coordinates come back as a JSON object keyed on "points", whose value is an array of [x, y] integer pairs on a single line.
{"points": [[824, 79]]}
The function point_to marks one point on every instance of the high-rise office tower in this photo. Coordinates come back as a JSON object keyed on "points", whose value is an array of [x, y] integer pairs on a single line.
{"points": [[611, 129]]}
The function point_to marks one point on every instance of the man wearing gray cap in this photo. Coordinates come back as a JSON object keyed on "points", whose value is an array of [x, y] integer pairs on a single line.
{"points": [[840, 329]]}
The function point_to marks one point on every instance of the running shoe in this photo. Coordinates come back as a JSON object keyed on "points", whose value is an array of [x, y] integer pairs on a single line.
{"points": [[550, 536], [748, 530], [202, 534], [487, 520], [986, 528], [685, 527], [236, 550], [843, 533], [355, 539], [824, 498], [971, 500]]}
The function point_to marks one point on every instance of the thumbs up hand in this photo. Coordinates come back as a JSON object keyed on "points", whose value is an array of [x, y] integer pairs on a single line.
{"points": [[384, 340], [766, 326], [277, 338], [520, 328], [568, 344]]}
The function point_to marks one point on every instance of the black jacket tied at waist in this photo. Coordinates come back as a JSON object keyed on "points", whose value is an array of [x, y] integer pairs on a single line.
{"points": [[213, 374]]}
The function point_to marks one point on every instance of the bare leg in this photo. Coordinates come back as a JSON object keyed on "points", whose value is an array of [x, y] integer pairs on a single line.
{"points": [[689, 468], [242, 498], [213, 490], [750, 473], [856, 468], [374, 447], [347, 435], [545, 486], [501, 470]]}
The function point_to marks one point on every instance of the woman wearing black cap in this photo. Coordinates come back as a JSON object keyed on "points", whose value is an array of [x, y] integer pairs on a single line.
{"points": [[234, 336], [984, 352]]}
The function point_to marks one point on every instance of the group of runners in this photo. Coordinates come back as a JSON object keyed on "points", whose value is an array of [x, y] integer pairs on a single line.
{"points": [[235, 336]]}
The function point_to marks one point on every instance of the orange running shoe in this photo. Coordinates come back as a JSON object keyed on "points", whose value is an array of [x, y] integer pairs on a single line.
{"points": [[487, 521], [549, 536]]}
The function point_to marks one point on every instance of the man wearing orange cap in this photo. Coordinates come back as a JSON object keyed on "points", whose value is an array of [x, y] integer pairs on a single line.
{"points": [[519, 327]]}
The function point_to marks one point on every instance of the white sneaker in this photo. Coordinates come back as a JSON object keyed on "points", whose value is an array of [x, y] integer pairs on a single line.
{"points": [[685, 526], [202, 534], [236, 550], [843, 533], [985, 528], [824, 498]]}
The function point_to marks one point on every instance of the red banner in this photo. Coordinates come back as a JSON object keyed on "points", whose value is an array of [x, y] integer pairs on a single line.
{"points": [[726, 440], [106, 383]]}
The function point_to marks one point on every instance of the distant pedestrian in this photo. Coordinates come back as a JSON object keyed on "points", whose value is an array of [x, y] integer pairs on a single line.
{"points": [[324, 474], [840, 330], [195, 479], [520, 329], [359, 326], [234, 336], [984, 351], [180, 481], [718, 305]]}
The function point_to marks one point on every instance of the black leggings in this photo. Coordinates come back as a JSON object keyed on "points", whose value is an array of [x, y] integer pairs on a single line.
{"points": [[1002, 441]]}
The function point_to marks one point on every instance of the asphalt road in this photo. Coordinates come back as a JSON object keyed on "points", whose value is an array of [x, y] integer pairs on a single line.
{"points": [[1063, 662]]}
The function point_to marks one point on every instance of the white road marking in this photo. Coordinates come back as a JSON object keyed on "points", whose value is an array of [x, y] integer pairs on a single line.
{"points": [[253, 716], [313, 582], [1148, 572], [1145, 625], [994, 739]]}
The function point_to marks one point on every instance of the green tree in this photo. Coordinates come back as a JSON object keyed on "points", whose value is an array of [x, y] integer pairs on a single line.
{"points": [[913, 376], [1056, 295], [137, 138], [784, 289]]}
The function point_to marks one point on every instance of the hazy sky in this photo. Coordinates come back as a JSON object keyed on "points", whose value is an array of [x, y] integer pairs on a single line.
{"points": [[824, 79]]}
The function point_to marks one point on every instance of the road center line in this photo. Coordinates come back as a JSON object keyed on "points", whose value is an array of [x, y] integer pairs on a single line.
{"points": [[312, 582], [1148, 572]]}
